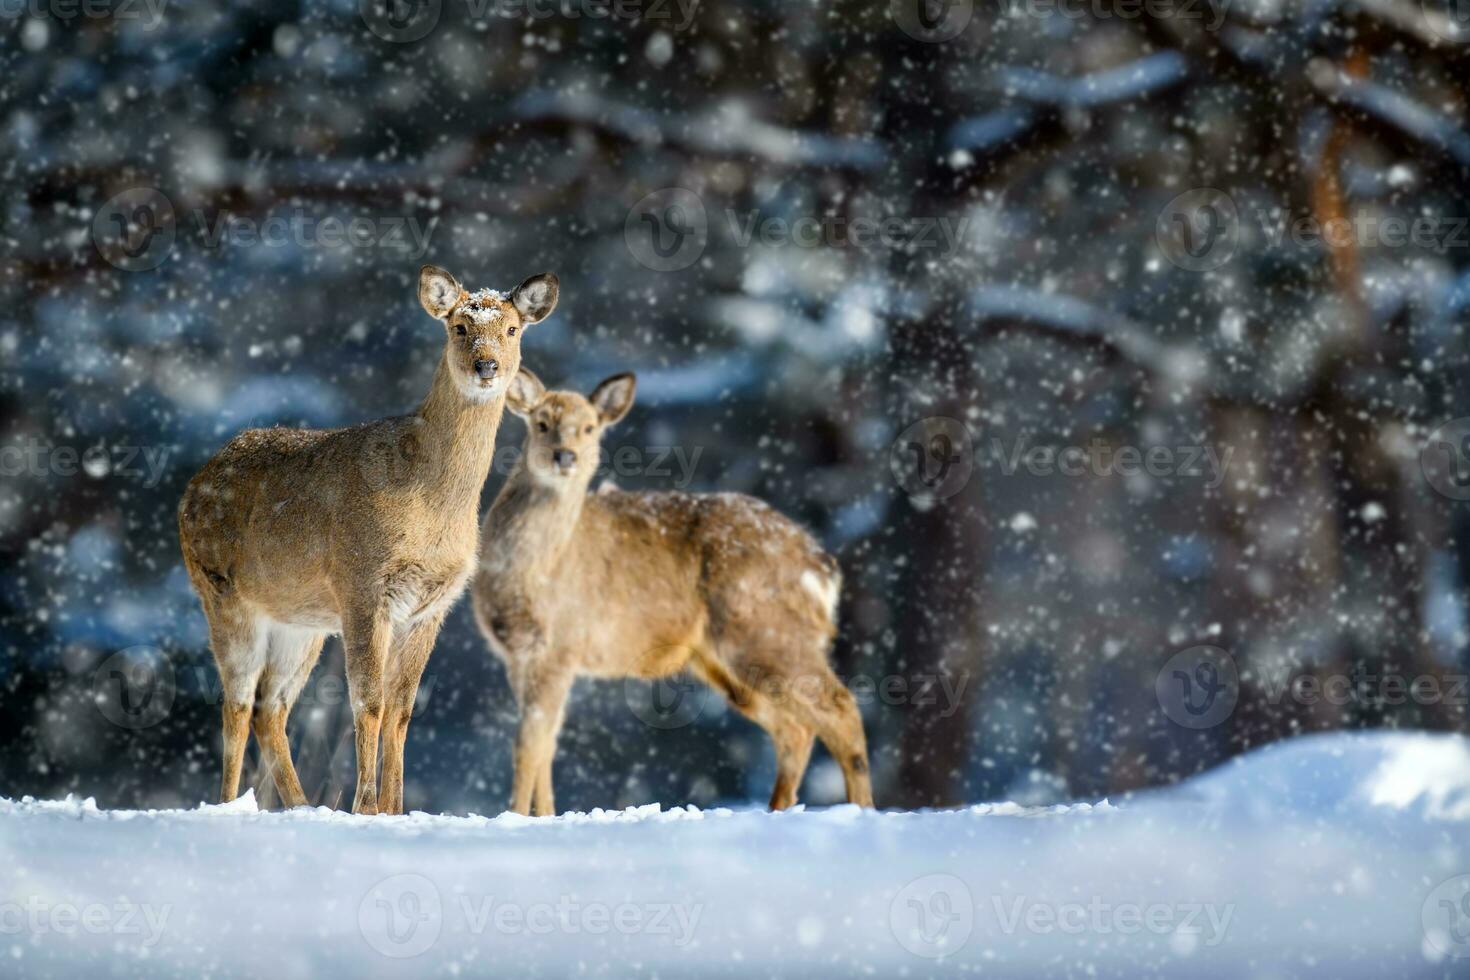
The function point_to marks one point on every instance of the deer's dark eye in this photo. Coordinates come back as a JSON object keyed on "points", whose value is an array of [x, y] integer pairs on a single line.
{"points": [[511, 332], [541, 426], [461, 330], [588, 430]]}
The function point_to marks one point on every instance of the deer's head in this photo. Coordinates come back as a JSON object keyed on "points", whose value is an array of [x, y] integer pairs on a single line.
{"points": [[485, 328], [564, 428]]}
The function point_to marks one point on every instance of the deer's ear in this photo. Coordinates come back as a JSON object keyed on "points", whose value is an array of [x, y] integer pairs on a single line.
{"points": [[525, 393], [535, 298], [438, 291], [614, 397]]}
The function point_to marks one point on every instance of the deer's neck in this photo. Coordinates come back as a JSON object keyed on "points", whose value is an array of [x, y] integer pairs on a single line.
{"points": [[530, 527], [459, 440]]}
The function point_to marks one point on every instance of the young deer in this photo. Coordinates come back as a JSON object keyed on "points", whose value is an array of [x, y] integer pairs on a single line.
{"points": [[292, 534], [617, 584]]}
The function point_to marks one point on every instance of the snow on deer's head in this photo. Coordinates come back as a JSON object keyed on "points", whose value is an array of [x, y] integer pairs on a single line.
{"points": [[484, 328]]}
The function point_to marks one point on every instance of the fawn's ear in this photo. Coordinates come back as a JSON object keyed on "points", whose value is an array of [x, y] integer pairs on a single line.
{"points": [[614, 397], [525, 393], [535, 298], [438, 291]]}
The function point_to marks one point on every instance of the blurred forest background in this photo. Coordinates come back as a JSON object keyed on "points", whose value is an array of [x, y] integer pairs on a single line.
{"points": [[1098, 235]]}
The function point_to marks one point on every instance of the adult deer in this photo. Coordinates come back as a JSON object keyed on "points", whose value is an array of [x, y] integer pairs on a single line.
{"points": [[290, 535], [617, 584]]}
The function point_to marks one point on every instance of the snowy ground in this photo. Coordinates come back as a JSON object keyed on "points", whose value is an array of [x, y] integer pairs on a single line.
{"points": [[1330, 856]]}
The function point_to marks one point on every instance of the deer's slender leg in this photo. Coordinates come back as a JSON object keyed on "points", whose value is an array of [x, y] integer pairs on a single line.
{"points": [[543, 700], [410, 655], [239, 651], [833, 712], [366, 634], [792, 739], [290, 656]]}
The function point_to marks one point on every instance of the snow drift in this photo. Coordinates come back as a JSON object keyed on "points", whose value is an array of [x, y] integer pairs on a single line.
{"points": [[1328, 856]]}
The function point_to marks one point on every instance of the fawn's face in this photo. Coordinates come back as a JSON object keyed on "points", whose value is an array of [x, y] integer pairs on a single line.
{"points": [[484, 329], [564, 429]]}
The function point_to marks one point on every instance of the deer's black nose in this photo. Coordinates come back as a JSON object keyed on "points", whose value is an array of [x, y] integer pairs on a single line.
{"points": [[486, 369], [563, 459]]}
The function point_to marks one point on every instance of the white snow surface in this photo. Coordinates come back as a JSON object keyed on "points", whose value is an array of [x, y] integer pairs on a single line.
{"points": [[1324, 856]]}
